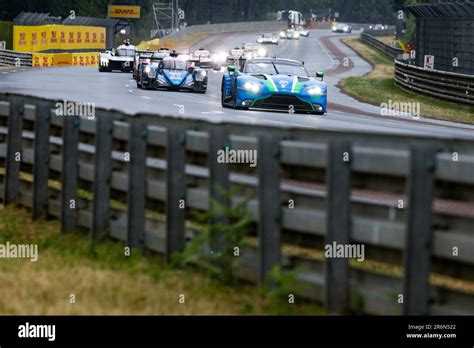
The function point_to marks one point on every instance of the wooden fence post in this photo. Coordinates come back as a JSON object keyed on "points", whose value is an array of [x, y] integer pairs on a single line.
{"points": [[269, 227], [137, 184], [175, 191], [102, 175], [70, 172], [338, 179], [218, 180], [419, 235], [41, 163], [13, 155]]}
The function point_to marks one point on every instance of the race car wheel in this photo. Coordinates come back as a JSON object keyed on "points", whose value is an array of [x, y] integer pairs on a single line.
{"points": [[102, 69]]}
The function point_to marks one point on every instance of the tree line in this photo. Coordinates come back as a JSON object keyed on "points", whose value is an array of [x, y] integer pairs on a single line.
{"points": [[218, 11]]}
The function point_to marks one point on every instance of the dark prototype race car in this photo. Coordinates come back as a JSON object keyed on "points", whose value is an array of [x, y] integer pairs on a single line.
{"points": [[148, 57], [173, 73], [274, 84]]}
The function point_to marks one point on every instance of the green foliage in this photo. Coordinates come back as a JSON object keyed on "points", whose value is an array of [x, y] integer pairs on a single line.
{"points": [[359, 304], [213, 249], [214, 11], [280, 283], [6, 33]]}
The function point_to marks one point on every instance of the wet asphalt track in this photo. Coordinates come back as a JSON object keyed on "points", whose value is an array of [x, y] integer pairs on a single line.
{"points": [[119, 91]]}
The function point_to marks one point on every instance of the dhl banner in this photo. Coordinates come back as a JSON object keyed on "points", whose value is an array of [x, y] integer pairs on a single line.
{"points": [[65, 59], [85, 59], [121, 11], [57, 37]]}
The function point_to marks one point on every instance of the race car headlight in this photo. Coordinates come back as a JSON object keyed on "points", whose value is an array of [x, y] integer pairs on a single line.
{"points": [[282, 34], [262, 52], [219, 57], [334, 28], [346, 28], [297, 35], [259, 40], [201, 75], [252, 87], [150, 71], [315, 91]]}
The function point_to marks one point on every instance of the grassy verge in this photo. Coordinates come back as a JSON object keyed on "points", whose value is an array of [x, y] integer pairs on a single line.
{"points": [[386, 39], [104, 281], [378, 87]]}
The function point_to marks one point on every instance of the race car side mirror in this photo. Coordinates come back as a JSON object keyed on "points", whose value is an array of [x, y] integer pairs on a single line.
{"points": [[231, 68], [320, 74]]}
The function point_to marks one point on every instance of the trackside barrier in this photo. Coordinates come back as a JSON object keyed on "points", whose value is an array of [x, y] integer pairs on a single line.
{"points": [[382, 47], [12, 58], [435, 83], [406, 199], [263, 26], [65, 59]]}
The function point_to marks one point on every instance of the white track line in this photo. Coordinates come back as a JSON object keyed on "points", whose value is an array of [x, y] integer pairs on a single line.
{"points": [[325, 50]]}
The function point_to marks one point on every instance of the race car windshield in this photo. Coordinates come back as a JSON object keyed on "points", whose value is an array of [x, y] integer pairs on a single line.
{"points": [[267, 35], [174, 64], [272, 68], [125, 53]]}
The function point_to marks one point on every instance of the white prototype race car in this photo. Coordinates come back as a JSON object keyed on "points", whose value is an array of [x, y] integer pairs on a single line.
{"points": [[268, 39], [290, 34], [120, 59], [202, 58], [253, 50]]}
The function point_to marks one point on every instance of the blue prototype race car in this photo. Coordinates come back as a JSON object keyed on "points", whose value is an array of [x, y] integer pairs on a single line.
{"points": [[274, 84], [173, 73]]}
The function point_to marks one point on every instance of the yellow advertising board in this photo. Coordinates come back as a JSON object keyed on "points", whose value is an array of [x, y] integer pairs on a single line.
{"points": [[122, 11], [85, 59], [42, 60], [62, 59], [57, 37]]}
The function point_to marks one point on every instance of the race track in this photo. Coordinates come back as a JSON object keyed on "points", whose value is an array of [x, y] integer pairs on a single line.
{"points": [[322, 51]]}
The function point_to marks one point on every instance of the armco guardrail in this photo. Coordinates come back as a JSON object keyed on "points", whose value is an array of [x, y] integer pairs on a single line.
{"points": [[407, 199], [382, 47], [387, 32], [435, 83], [13, 58], [229, 27]]}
